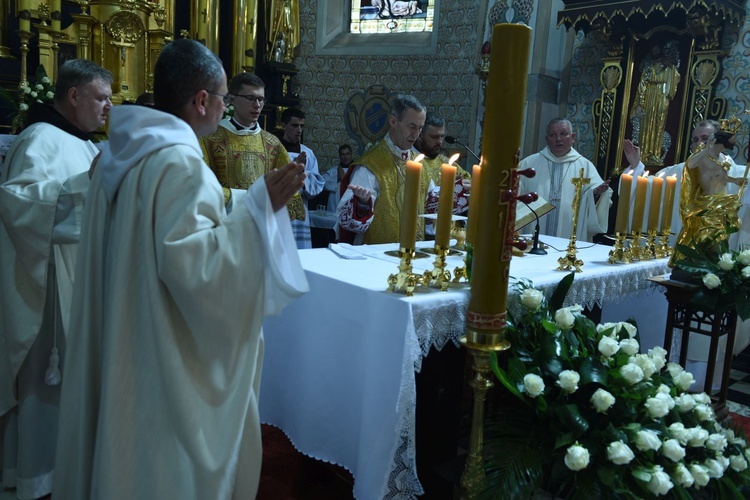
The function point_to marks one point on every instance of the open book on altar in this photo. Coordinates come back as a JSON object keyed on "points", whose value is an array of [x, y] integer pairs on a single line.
{"points": [[524, 216]]}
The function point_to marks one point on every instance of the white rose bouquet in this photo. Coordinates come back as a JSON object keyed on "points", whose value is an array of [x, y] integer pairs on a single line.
{"points": [[723, 275], [586, 415], [43, 91]]}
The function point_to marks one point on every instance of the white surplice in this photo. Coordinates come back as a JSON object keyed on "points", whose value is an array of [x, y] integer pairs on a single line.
{"points": [[552, 182], [160, 399], [314, 183], [42, 190]]}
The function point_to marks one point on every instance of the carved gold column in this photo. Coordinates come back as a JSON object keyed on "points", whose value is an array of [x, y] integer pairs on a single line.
{"points": [[204, 22], [84, 25], [244, 34]]}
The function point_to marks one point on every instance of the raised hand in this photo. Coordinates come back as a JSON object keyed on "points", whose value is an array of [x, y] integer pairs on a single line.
{"points": [[283, 182], [361, 194]]}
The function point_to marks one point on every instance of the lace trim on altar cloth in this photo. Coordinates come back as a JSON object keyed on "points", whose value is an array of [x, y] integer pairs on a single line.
{"points": [[435, 327]]}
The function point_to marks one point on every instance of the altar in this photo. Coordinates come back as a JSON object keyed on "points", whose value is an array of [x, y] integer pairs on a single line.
{"points": [[340, 362]]}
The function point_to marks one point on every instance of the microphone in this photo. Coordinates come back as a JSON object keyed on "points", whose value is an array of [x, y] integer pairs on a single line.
{"points": [[535, 249], [452, 140]]}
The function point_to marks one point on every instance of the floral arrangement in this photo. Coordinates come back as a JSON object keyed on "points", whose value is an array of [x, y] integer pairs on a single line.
{"points": [[588, 416], [724, 274], [43, 91]]}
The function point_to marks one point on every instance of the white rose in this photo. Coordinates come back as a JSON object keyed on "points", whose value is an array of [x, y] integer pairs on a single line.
{"points": [[703, 412], [577, 457], [745, 272], [602, 400], [658, 357], [682, 475], [533, 385], [663, 389], [657, 407], [684, 380], [23, 106], [630, 329], [608, 346], [678, 431], [564, 319], [716, 442], [27, 90], [711, 281], [660, 484], [531, 298], [674, 369], [647, 440], [701, 398], [672, 450], [631, 373], [715, 469], [39, 86], [568, 381], [684, 402], [45, 79], [619, 453], [744, 257], [33, 94], [50, 95], [700, 474], [726, 262], [629, 346], [696, 437], [738, 463], [645, 363]]}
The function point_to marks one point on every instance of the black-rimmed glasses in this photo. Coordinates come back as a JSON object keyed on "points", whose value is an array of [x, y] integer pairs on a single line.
{"points": [[226, 98], [252, 99]]}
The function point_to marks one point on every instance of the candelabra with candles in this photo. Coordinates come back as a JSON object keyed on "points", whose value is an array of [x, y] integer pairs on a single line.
{"points": [[570, 260]]}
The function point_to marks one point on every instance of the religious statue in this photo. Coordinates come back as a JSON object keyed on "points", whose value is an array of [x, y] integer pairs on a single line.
{"points": [[708, 213], [659, 80], [279, 48], [283, 25]]}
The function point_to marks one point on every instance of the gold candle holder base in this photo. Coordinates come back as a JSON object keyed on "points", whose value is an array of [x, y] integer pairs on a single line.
{"points": [[651, 245], [637, 251], [664, 250], [25, 36], [405, 281], [570, 261], [439, 277], [619, 254]]}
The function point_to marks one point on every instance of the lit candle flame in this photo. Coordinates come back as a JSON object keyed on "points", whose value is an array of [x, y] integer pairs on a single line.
{"points": [[673, 176], [454, 158], [660, 175], [645, 174], [419, 158]]}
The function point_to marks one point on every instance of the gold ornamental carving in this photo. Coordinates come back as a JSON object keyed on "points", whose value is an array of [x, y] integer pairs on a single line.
{"points": [[605, 107]]}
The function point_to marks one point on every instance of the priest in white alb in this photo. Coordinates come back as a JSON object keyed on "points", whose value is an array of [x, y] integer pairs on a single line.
{"points": [[160, 399], [555, 166], [42, 191]]}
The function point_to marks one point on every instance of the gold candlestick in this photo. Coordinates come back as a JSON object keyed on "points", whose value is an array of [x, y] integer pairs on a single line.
{"points": [[570, 261], [664, 249], [439, 277], [619, 254], [652, 247], [25, 36], [404, 281]]}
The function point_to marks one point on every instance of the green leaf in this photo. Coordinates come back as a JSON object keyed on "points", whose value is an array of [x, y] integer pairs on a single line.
{"points": [[570, 416], [561, 291], [592, 371], [503, 377]]}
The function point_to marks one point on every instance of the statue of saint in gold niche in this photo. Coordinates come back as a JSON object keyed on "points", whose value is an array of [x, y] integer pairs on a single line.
{"points": [[659, 80], [283, 24]]}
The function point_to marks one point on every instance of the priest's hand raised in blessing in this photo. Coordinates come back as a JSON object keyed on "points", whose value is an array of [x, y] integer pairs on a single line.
{"points": [[361, 194], [283, 182]]}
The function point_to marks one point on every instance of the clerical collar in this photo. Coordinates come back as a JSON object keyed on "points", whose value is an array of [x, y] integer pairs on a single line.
{"points": [[46, 113], [291, 147], [404, 154], [253, 129]]}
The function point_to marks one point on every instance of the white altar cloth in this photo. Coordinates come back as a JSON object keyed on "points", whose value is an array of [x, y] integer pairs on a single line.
{"points": [[339, 365]]}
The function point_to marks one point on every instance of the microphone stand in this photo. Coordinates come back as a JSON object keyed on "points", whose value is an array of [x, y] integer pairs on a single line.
{"points": [[452, 140], [535, 249]]}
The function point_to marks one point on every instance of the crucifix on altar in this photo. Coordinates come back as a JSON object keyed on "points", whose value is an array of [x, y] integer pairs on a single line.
{"points": [[570, 260]]}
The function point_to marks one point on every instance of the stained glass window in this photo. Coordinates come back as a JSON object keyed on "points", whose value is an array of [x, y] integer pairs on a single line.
{"points": [[392, 16]]}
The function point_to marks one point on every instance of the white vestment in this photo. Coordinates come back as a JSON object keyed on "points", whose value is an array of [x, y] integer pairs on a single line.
{"points": [[42, 190], [314, 183], [160, 399], [552, 182]]}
